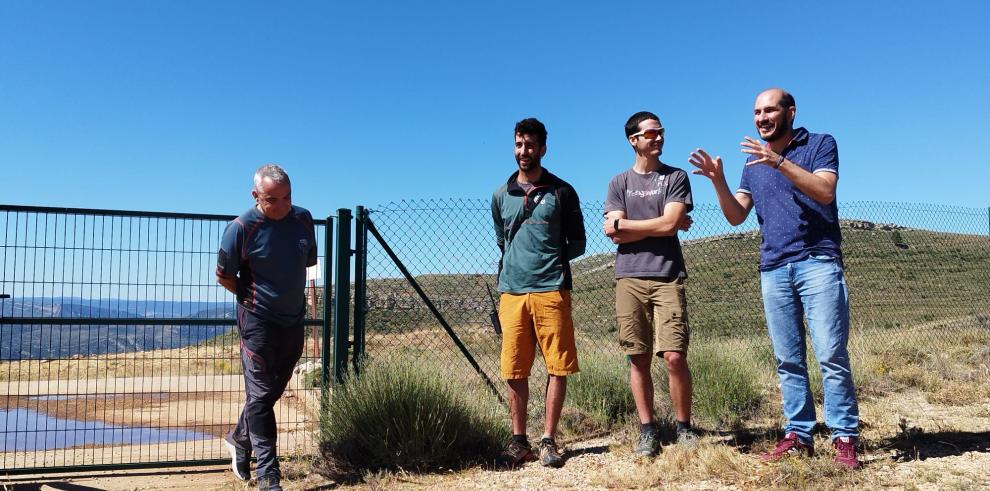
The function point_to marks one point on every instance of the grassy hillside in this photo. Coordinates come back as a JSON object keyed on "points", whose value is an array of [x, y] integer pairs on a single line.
{"points": [[897, 279]]}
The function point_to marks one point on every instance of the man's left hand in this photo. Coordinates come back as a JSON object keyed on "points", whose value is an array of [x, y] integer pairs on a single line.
{"points": [[762, 153]]}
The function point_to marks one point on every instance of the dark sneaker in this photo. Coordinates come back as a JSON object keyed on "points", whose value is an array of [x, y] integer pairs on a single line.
{"points": [[240, 460], [549, 455], [516, 452], [845, 452], [271, 482], [789, 445], [648, 444], [687, 436]]}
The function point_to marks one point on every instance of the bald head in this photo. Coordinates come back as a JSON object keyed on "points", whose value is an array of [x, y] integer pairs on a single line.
{"points": [[784, 98]]}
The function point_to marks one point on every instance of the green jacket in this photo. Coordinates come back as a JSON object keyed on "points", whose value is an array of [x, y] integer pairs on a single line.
{"points": [[538, 234]]}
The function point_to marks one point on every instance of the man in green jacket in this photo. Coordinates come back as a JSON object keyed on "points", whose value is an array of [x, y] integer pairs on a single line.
{"points": [[539, 228]]}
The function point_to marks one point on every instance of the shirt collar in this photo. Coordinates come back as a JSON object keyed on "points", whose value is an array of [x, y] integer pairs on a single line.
{"points": [[513, 185]]}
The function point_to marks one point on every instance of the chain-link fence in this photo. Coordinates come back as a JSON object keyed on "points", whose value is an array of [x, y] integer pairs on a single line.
{"points": [[918, 275], [117, 346]]}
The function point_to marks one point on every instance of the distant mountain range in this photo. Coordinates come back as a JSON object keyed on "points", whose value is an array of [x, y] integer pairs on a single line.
{"points": [[77, 307], [54, 341]]}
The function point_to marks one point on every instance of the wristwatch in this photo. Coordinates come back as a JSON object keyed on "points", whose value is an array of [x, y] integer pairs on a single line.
{"points": [[615, 224]]}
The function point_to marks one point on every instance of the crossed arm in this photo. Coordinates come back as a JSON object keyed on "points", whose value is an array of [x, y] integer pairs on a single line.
{"points": [[674, 218]]}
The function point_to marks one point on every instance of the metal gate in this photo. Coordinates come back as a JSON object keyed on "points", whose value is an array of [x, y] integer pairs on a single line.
{"points": [[118, 348]]}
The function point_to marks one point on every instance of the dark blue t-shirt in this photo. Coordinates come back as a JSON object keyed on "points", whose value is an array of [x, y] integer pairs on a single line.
{"points": [[793, 225], [269, 258]]}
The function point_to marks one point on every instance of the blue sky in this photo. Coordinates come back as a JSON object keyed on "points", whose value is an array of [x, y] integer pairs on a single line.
{"points": [[170, 105]]}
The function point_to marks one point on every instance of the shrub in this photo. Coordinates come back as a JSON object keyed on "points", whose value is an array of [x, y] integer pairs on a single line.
{"points": [[601, 392], [401, 414], [726, 383]]}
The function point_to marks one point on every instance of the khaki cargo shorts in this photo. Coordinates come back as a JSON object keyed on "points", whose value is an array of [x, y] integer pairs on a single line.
{"points": [[652, 315]]}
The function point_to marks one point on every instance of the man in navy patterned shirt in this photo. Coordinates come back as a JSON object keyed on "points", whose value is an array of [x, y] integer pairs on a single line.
{"points": [[791, 181], [262, 260]]}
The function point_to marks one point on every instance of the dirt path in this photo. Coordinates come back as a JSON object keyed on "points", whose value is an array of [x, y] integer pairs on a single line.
{"points": [[911, 444]]}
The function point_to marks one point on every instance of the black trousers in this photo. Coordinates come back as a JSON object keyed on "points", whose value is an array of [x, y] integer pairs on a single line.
{"points": [[269, 353]]}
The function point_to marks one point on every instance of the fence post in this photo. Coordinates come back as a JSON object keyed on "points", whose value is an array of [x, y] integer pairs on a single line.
{"points": [[327, 310], [360, 283], [342, 287]]}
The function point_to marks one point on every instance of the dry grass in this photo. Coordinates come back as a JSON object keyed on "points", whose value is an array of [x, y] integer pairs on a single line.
{"points": [[959, 393], [202, 359]]}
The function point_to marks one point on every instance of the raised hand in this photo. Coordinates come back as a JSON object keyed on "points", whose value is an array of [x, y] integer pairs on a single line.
{"points": [[708, 167], [762, 153]]}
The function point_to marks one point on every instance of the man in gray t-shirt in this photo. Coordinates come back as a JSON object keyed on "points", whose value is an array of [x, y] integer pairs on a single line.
{"points": [[645, 207]]}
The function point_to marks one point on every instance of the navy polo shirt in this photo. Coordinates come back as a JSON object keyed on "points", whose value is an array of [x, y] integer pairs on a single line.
{"points": [[269, 259], [793, 225]]}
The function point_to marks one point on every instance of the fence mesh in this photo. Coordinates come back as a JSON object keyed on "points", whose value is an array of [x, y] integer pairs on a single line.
{"points": [[917, 274], [117, 347]]}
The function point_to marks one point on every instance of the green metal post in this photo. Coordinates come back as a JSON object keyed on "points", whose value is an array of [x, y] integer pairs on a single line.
{"points": [[360, 283], [342, 302], [325, 357]]}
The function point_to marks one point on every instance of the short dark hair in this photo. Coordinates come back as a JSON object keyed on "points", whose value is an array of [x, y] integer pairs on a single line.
{"points": [[632, 124], [532, 127], [786, 99]]}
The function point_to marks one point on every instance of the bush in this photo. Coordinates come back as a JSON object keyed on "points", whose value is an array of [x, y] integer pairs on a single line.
{"points": [[726, 383], [401, 414], [601, 392]]}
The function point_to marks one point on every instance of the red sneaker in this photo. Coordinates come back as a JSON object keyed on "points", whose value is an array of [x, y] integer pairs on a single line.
{"points": [[789, 445], [845, 452]]}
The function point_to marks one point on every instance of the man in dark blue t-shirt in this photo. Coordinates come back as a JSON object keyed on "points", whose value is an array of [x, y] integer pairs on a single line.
{"points": [[791, 182], [262, 260]]}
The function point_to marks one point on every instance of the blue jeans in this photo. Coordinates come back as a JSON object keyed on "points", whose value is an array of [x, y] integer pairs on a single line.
{"points": [[812, 289]]}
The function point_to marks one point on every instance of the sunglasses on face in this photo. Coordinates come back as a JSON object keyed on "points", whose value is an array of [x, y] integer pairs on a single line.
{"points": [[650, 134]]}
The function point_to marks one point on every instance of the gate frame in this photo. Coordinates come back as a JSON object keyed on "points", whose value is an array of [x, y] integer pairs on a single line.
{"points": [[324, 323]]}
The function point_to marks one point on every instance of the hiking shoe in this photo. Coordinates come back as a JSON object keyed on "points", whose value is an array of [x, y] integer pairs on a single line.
{"points": [[789, 445], [240, 460], [516, 452], [687, 436], [648, 444], [549, 455], [845, 452], [270, 482]]}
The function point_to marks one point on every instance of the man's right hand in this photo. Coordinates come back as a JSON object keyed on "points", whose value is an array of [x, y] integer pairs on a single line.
{"points": [[230, 284], [708, 167]]}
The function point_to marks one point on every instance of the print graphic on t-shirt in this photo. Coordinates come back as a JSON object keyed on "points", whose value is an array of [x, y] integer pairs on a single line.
{"points": [[644, 197], [656, 182]]}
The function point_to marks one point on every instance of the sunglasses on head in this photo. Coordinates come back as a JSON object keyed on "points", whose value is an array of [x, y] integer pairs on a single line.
{"points": [[650, 133]]}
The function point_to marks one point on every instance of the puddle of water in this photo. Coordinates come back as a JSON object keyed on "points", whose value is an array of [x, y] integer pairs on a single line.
{"points": [[28, 430], [154, 396]]}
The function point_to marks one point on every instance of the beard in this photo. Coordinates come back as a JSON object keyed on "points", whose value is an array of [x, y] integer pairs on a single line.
{"points": [[533, 163], [774, 135], [778, 131]]}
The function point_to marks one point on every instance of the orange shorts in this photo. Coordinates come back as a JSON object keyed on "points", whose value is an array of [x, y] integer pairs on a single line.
{"points": [[528, 318]]}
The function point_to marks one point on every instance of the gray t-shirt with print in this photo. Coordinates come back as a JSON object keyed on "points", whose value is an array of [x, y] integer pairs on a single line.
{"points": [[642, 197]]}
